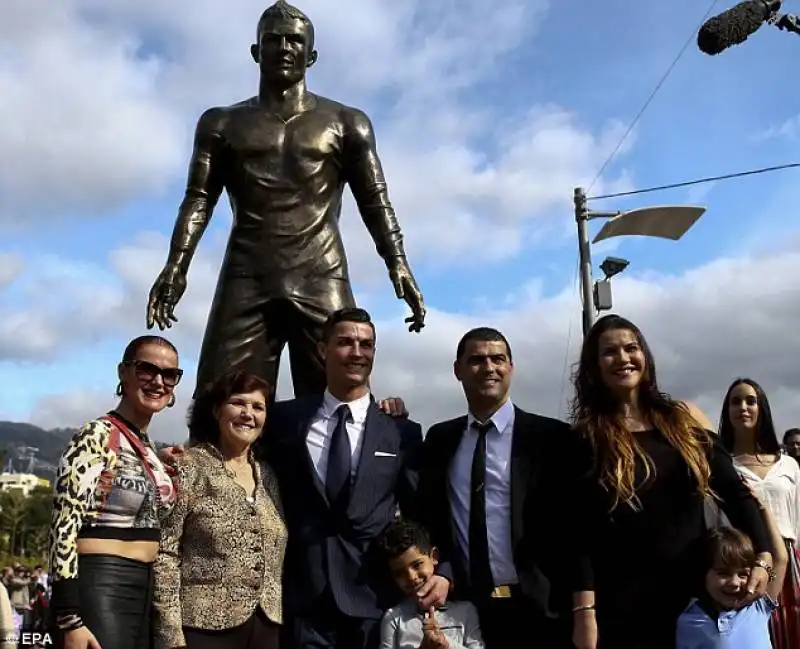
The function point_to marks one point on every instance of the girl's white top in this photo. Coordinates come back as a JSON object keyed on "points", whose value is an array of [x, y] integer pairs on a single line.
{"points": [[779, 492]]}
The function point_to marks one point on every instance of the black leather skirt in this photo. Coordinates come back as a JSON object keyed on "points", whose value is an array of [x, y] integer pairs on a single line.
{"points": [[116, 596]]}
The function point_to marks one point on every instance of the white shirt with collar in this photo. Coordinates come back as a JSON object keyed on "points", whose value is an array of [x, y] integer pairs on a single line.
{"points": [[498, 492], [323, 423]]}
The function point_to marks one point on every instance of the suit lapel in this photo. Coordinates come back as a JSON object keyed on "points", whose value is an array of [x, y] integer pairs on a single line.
{"points": [[374, 430], [307, 412], [521, 467], [450, 446], [443, 462]]}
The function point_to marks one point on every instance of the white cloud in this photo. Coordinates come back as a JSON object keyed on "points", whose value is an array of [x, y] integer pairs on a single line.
{"points": [[135, 75], [788, 129], [11, 266], [707, 326]]}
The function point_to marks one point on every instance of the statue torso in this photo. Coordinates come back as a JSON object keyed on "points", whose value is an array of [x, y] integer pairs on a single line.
{"points": [[285, 180]]}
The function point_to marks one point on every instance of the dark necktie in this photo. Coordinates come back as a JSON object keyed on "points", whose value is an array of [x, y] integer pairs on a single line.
{"points": [[479, 567], [339, 459]]}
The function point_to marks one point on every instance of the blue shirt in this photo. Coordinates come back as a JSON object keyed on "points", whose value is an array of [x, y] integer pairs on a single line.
{"points": [[745, 628]]}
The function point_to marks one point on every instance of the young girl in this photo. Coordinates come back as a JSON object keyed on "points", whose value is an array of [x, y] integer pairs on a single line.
{"points": [[723, 618]]}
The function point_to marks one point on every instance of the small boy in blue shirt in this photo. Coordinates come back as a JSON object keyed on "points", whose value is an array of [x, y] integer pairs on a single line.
{"points": [[412, 560], [719, 619]]}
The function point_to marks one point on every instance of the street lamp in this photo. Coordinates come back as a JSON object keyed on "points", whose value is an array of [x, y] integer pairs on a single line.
{"points": [[611, 267], [666, 222]]}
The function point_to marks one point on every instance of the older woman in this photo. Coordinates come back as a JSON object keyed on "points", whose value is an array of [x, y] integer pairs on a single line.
{"points": [[636, 480], [747, 431], [218, 574], [111, 492]]}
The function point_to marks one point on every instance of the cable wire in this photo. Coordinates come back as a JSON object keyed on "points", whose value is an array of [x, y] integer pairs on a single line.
{"points": [[613, 155], [699, 181], [652, 96]]}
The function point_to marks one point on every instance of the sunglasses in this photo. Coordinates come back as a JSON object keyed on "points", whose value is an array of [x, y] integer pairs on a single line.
{"points": [[148, 372]]}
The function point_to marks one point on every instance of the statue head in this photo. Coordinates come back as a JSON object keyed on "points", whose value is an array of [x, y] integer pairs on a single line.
{"points": [[284, 48]]}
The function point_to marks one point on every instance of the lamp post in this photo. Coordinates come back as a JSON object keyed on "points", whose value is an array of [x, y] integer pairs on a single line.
{"points": [[666, 222]]}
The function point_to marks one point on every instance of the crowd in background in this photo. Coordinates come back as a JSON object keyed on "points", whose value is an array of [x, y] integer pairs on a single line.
{"points": [[25, 596]]}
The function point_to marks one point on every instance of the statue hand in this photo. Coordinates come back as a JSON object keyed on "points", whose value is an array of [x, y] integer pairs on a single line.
{"points": [[164, 296], [405, 287]]}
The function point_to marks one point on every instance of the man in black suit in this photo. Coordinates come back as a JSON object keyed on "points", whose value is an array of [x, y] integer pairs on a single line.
{"points": [[344, 468], [486, 498]]}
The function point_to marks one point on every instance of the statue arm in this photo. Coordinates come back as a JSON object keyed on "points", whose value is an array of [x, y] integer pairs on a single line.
{"points": [[203, 189], [364, 173]]}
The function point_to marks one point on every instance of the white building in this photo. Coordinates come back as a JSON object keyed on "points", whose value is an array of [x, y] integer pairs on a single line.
{"points": [[24, 482]]}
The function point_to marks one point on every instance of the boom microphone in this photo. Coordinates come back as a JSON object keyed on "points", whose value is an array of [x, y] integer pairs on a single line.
{"points": [[735, 25]]}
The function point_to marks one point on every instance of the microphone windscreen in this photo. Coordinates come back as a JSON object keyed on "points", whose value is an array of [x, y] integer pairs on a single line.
{"points": [[732, 27]]}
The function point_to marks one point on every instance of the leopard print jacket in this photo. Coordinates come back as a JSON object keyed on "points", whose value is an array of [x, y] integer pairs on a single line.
{"points": [[102, 490], [221, 553]]}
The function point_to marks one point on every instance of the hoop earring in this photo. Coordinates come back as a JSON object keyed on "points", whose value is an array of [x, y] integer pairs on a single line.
{"points": [[171, 400], [118, 391]]}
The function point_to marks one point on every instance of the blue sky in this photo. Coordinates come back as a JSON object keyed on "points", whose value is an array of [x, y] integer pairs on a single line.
{"points": [[487, 116]]}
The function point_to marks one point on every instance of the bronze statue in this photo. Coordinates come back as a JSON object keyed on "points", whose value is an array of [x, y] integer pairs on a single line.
{"points": [[284, 158]]}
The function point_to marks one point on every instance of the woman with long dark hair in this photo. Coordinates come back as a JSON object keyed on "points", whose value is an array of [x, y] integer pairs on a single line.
{"points": [[637, 478], [111, 493], [748, 432]]}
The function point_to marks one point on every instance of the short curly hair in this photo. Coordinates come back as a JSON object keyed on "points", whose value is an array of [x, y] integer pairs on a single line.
{"points": [[202, 422], [400, 536]]}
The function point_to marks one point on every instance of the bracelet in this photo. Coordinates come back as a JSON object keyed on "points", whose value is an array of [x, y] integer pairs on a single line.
{"points": [[583, 607], [69, 622], [760, 563]]}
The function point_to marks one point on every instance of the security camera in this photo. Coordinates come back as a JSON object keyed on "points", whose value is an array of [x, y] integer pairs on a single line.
{"points": [[612, 266]]}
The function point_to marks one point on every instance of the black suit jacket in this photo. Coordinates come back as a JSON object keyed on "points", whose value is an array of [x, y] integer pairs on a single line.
{"points": [[329, 546], [535, 459]]}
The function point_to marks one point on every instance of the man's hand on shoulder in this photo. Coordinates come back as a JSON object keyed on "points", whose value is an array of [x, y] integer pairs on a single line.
{"points": [[394, 407], [170, 454]]}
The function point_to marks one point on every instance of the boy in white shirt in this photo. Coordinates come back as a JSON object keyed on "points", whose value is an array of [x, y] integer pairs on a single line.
{"points": [[412, 560]]}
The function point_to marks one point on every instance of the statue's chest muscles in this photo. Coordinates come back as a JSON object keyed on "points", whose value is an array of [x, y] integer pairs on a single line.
{"points": [[262, 146]]}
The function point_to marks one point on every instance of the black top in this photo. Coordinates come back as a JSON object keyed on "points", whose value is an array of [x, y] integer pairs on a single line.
{"points": [[645, 565]]}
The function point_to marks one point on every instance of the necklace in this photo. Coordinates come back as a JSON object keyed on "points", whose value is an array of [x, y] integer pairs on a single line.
{"points": [[241, 472]]}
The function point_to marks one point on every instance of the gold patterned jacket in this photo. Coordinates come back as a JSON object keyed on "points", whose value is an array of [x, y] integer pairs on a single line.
{"points": [[221, 556]]}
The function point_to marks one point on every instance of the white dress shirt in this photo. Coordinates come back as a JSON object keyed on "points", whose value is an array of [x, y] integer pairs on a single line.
{"points": [[498, 492], [779, 492], [323, 423]]}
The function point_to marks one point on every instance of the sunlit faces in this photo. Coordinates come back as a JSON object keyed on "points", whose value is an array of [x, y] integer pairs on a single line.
{"points": [[349, 353], [621, 358], [727, 585], [412, 569], [743, 407], [241, 418], [148, 381], [485, 369]]}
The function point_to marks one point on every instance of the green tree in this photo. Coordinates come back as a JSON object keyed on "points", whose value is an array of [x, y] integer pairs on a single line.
{"points": [[26, 522], [13, 507], [37, 521]]}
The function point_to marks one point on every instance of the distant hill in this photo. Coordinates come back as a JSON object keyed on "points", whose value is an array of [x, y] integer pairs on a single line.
{"points": [[19, 442]]}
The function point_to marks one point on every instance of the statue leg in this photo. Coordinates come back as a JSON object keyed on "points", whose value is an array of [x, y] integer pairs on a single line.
{"points": [[307, 320], [308, 367], [239, 334]]}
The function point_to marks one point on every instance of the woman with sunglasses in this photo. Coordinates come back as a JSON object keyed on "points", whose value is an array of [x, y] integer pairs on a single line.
{"points": [[111, 493]]}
